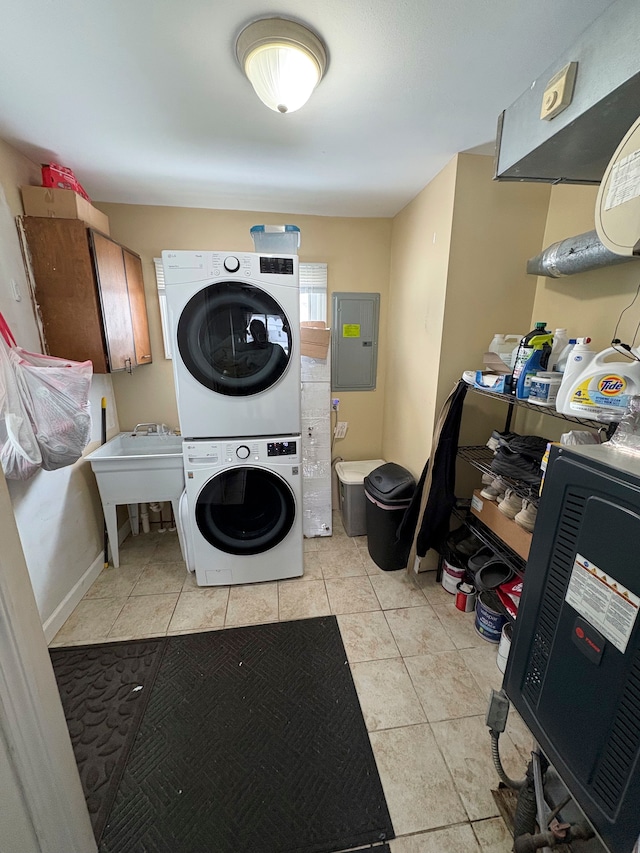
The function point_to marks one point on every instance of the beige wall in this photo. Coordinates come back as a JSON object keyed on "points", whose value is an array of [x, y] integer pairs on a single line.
{"points": [[356, 251], [497, 226], [58, 513], [458, 276], [418, 281], [587, 304]]}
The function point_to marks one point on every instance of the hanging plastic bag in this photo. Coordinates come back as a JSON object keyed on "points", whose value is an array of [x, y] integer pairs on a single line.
{"points": [[55, 393], [19, 452]]}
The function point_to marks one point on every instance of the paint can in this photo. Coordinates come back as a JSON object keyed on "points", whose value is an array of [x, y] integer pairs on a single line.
{"points": [[504, 646], [465, 597], [452, 574], [489, 621]]}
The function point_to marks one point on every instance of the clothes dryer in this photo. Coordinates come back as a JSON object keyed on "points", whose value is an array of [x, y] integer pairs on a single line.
{"points": [[244, 508], [235, 328]]}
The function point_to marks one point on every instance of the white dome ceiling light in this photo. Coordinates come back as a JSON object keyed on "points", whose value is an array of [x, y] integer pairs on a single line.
{"points": [[283, 60]]}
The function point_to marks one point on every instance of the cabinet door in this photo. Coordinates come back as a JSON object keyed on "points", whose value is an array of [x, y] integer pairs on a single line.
{"points": [[65, 289], [138, 305], [114, 296]]}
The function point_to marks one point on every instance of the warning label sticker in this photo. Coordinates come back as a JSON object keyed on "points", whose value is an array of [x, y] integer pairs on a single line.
{"points": [[625, 181], [351, 330], [603, 602]]}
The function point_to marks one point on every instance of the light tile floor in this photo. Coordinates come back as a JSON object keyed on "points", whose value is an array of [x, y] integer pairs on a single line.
{"points": [[422, 673]]}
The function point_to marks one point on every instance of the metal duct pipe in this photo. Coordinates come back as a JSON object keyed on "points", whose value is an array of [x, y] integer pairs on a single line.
{"points": [[575, 254]]}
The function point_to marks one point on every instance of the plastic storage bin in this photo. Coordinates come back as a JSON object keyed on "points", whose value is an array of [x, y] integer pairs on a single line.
{"points": [[273, 239], [388, 491], [351, 493]]}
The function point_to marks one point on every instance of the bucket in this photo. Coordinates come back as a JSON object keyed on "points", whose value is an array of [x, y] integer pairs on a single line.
{"points": [[465, 597], [504, 646], [452, 574], [489, 621], [544, 389]]}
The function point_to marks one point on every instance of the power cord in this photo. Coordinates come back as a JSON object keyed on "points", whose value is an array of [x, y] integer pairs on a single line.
{"points": [[626, 349]]}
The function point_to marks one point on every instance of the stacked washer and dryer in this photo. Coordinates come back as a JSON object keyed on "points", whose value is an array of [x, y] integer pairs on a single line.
{"points": [[236, 360]]}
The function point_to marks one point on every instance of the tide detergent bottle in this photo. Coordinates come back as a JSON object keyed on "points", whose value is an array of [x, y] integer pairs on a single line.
{"points": [[593, 387], [541, 349]]}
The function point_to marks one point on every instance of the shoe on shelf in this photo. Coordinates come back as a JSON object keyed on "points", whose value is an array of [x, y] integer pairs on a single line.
{"points": [[511, 504], [495, 490], [487, 479], [527, 516], [469, 546], [484, 555], [497, 438], [463, 542]]}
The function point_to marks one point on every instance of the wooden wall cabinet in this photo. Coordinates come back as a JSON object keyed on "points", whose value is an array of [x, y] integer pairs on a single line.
{"points": [[90, 294]]}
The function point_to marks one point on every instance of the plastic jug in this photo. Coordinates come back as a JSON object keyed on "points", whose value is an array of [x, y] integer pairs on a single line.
{"points": [[562, 359], [595, 388], [541, 346], [524, 351], [560, 341], [503, 345]]}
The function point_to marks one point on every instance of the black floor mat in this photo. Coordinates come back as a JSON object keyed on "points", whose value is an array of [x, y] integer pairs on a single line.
{"points": [[104, 691], [252, 740]]}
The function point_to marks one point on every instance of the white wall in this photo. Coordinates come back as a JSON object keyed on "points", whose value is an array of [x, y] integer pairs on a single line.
{"points": [[58, 513]]}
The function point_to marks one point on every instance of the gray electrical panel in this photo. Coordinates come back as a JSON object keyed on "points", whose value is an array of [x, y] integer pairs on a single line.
{"points": [[354, 341]]}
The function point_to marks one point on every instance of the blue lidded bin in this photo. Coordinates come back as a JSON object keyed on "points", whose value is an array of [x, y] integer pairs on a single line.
{"points": [[276, 239]]}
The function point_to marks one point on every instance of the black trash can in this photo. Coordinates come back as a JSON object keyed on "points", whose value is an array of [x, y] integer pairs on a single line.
{"points": [[388, 491]]}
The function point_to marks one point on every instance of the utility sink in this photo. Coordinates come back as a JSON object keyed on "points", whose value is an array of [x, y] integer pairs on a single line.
{"points": [[134, 468], [130, 446]]}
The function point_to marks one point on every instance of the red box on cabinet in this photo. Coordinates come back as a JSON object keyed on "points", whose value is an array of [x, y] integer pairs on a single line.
{"points": [[59, 177]]}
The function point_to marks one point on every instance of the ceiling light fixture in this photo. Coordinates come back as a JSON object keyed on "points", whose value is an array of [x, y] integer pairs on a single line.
{"points": [[283, 60]]}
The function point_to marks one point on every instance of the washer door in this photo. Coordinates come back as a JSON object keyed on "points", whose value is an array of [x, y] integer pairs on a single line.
{"points": [[245, 510], [234, 338]]}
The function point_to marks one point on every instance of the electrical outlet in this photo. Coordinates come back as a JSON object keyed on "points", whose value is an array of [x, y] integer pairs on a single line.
{"points": [[335, 404], [341, 429]]}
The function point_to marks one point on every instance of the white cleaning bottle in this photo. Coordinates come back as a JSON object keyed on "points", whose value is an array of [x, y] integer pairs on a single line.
{"points": [[579, 357], [560, 341], [563, 358], [596, 388]]}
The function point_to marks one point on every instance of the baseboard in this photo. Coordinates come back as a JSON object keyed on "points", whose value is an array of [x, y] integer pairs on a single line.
{"points": [[68, 604]]}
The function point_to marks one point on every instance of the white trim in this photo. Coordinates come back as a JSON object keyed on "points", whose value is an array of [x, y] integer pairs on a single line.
{"points": [[164, 314], [32, 723], [68, 604], [313, 292]]}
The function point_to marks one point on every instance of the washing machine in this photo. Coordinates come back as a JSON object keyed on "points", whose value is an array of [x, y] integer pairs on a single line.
{"points": [[244, 509], [235, 329]]}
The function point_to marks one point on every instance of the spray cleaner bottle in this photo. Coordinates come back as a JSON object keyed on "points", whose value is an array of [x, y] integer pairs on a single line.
{"points": [[541, 346], [523, 352], [595, 388]]}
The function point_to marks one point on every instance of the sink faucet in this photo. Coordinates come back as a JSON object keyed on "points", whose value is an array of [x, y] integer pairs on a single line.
{"points": [[152, 429]]}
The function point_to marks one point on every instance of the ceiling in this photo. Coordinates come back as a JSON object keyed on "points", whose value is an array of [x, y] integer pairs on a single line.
{"points": [[144, 99]]}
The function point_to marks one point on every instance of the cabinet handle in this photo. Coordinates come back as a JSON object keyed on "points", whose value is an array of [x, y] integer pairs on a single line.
{"points": [[147, 356]]}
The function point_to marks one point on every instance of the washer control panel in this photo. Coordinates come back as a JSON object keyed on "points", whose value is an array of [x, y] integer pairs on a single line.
{"points": [[215, 454], [282, 448], [231, 264]]}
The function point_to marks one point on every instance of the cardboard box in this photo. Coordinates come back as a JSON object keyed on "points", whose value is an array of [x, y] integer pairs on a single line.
{"points": [[314, 339], [62, 204], [512, 534]]}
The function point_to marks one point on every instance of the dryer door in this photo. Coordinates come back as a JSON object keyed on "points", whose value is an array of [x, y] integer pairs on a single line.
{"points": [[234, 338], [245, 510]]}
